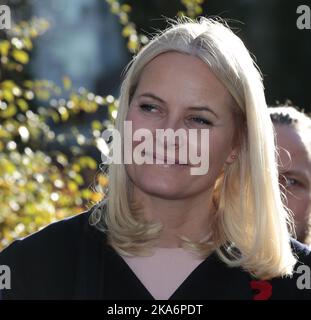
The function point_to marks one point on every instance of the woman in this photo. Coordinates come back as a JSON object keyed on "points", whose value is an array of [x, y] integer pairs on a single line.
{"points": [[164, 233]]}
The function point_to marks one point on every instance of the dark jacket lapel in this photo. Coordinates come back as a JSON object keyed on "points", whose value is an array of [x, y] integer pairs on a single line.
{"points": [[103, 274], [213, 280]]}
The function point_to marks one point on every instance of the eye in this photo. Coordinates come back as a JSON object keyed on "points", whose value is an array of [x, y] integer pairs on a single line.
{"points": [[148, 107], [288, 182], [201, 121], [291, 182]]}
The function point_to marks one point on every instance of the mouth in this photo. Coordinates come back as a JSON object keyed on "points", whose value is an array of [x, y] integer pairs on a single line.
{"points": [[162, 160], [166, 162]]}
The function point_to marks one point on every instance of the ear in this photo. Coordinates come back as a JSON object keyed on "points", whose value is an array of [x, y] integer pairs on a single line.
{"points": [[232, 156]]}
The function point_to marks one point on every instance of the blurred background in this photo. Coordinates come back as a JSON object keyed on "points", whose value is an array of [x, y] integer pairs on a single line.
{"points": [[61, 64]]}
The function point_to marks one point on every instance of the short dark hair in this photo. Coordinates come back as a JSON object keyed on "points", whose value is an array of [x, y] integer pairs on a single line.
{"points": [[289, 115]]}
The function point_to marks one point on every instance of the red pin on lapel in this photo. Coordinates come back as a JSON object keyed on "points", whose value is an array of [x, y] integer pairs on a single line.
{"points": [[264, 288]]}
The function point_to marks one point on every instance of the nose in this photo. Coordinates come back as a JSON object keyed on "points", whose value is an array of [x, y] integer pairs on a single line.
{"points": [[171, 127]]}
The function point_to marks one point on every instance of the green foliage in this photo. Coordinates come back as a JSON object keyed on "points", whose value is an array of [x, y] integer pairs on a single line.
{"points": [[134, 40], [193, 8], [41, 184]]}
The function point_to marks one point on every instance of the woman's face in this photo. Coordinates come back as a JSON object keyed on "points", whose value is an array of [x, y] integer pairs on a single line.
{"points": [[179, 91]]}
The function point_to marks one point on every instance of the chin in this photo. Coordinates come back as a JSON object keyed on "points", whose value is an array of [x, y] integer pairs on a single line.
{"points": [[167, 192], [166, 185], [162, 189]]}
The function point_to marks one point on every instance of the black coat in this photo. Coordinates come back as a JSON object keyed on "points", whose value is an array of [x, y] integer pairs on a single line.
{"points": [[71, 260]]}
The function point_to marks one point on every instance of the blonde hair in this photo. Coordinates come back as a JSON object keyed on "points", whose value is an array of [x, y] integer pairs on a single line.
{"points": [[250, 216]]}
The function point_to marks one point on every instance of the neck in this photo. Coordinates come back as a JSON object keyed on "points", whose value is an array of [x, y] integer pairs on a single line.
{"points": [[188, 217]]}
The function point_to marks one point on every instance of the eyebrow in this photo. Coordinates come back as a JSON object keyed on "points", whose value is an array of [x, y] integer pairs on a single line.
{"points": [[195, 108], [204, 108], [295, 173]]}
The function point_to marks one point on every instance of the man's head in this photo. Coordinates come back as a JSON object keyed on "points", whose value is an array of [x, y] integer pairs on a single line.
{"points": [[293, 134]]}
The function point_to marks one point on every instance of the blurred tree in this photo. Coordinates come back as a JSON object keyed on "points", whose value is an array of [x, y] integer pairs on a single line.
{"points": [[39, 185]]}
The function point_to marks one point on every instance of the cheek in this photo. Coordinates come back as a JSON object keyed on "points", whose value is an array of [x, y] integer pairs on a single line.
{"points": [[214, 143], [135, 119], [138, 121], [300, 203], [130, 170], [220, 148]]}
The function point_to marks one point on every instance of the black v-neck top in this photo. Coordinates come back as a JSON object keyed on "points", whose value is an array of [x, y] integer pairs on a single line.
{"points": [[71, 259]]}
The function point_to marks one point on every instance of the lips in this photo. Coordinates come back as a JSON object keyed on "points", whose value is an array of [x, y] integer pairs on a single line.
{"points": [[164, 160], [168, 161]]}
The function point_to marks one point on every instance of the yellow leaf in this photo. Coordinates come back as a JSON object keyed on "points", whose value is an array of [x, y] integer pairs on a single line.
{"points": [[23, 105], [55, 116], [33, 33], [64, 114], [126, 8], [9, 112], [72, 186], [76, 167], [198, 10], [28, 84], [8, 84], [86, 194], [43, 94], [102, 180], [67, 82], [8, 95], [4, 47], [96, 196], [96, 125], [128, 30], [20, 56], [132, 45], [27, 43], [4, 133]]}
